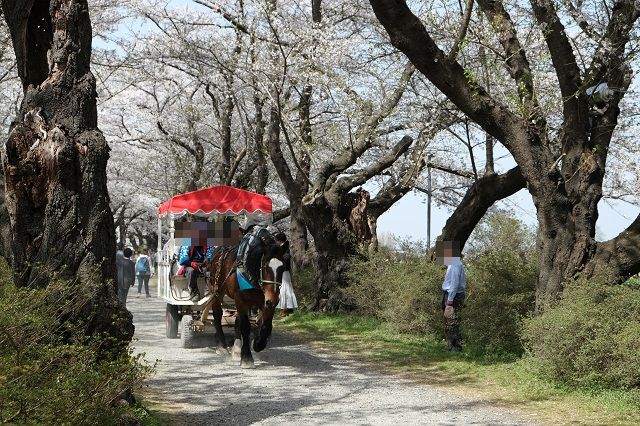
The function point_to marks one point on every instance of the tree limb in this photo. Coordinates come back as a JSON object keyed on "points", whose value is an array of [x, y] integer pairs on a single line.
{"points": [[281, 214], [482, 194], [363, 175], [365, 133], [462, 32], [622, 253], [409, 35], [393, 190], [177, 141], [452, 171], [516, 59], [566, 68]]}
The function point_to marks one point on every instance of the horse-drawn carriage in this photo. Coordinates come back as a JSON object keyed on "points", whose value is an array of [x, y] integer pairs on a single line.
{"points": [[213, 214]]}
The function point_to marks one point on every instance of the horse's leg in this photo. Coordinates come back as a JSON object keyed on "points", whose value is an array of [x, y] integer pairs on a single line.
{"points": [[237, 343], [217, 322], [246, 359], [265, 330]]}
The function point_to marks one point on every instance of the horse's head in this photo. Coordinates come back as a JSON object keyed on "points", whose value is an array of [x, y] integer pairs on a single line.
{"points": [[271, 271]]}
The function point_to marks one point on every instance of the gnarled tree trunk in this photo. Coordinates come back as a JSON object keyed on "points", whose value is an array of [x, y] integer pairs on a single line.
{"points": [[563, 172], [55, 161]]}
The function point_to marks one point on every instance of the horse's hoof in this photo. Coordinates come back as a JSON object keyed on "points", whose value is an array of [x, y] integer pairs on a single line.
{"points": [[222, 351], [247, 364], [236, 352]]}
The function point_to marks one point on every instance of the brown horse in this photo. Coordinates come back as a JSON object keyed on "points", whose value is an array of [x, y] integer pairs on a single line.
{"points": [[223, 281]]}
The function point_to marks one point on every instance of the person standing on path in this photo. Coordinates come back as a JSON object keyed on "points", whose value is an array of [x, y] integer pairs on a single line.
{"points": [[453, 292], [143, 273], [288, 301], [126, 273]]}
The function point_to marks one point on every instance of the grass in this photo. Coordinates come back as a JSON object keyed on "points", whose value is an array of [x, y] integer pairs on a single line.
{"points": [[510, 383], [147, 416]]}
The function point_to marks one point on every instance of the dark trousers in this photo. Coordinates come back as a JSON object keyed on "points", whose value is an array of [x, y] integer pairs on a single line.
{"points": [[143, 280], [452, 325], [192, 277]]}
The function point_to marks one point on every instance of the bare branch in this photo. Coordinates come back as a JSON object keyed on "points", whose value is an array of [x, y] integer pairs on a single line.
{"points": [[384, 162], [462, 32]]}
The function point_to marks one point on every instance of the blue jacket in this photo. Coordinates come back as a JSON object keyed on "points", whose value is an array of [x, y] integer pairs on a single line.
{"points": [[198, 254]]}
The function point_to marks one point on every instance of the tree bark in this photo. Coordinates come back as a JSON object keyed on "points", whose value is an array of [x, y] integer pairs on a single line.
{"points": [[334, 244], [55, 162], [297, 225], [5, 227]]}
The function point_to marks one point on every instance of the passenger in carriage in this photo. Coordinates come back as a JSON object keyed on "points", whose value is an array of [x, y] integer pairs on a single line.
{"points": [[193, 259]]}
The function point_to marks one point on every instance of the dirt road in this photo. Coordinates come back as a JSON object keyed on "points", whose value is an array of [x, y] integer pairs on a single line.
{"points": [[292, 384]]}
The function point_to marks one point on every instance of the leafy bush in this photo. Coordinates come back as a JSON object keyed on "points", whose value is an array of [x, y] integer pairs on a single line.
{"points": [[304, 280], [51, 372], [591, 337], [500, 294], [401, 288]]}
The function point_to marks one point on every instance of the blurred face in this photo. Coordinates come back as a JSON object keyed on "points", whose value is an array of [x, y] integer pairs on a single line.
{"points": [[446, 251], [207, 233]]}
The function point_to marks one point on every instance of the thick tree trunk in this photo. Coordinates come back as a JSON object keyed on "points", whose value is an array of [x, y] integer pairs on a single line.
{"points": [[260, 160], [566, 233], [55, 161], [297, 225], [5, 226], [225, 133], [299, 243], [334, 245], [340, 233]]}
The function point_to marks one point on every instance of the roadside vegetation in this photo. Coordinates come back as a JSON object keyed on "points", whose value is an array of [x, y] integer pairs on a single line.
{"points": [[52, 371], [578, 362]]}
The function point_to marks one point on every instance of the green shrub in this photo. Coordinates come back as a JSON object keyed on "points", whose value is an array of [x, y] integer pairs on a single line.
{"points": [[400, 288], [500, 293], [591, 337], [403, 288], [304, 280], [51, 372]]}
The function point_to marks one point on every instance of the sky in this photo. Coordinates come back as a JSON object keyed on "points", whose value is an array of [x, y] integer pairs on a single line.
{"points": [[407, 219]]}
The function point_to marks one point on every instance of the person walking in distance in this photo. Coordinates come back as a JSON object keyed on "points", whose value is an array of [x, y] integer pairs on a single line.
{"points": [[126, 273], [143, 273], [288, 301], [453, 292]]}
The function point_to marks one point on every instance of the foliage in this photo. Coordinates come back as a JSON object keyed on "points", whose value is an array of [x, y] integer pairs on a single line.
{"points": [[500, 293], [304, 281], [51, 371], [401, 288], [499, 231], [501, 285], [591, 337]]}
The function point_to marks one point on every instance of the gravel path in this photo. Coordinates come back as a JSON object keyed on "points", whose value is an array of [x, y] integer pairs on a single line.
{"points": [[292, 383]]}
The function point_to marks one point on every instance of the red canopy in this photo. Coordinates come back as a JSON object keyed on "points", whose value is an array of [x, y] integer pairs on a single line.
{"points": [[218, 200]]}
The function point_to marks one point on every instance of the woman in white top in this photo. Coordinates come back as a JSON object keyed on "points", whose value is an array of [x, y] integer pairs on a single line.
{"points": [[288, 301]]}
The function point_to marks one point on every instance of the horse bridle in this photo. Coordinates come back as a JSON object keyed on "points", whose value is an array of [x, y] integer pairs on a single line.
{"points": [[262, 280]]}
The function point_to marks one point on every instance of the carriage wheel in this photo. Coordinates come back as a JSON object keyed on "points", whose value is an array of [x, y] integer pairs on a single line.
{"points": [[171, 321], [187, 335]]}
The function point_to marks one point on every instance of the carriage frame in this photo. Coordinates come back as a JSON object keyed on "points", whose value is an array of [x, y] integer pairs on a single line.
{"points": [[183, 317]]}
